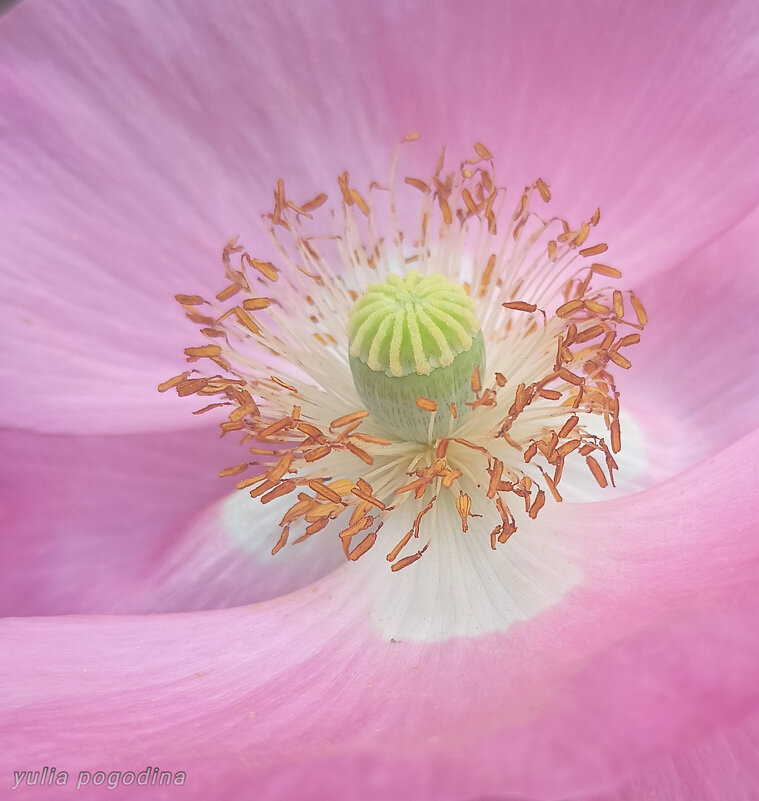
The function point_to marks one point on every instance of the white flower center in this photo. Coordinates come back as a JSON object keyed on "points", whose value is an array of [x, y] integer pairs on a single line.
{"points": [[506, 301]]}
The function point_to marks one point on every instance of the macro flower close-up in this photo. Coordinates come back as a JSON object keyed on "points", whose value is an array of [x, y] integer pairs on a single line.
{"points": [[379, 416]]}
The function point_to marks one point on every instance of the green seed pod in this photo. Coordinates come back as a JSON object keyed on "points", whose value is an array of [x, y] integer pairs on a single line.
{"points": [[413, 338]]}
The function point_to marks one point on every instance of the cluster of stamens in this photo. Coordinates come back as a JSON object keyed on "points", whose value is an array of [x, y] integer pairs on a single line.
{"points": [[277, 336]]}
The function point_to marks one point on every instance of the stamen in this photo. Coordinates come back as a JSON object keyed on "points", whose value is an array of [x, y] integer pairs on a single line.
{"points": [[395, 406]]}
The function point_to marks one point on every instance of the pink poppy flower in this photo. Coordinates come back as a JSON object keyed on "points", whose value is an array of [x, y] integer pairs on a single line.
{"points": [[608, 652]]}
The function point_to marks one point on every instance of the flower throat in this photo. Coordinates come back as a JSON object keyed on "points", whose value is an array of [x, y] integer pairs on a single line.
{"points": [[416, 353], [383, 439]]}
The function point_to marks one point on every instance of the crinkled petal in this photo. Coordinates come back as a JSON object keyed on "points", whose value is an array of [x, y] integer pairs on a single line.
{"points": [[141, 137], [302, 697]]}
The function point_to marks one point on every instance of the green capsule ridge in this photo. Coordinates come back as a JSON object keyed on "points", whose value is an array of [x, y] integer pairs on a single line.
{"points": [[410, 338]]}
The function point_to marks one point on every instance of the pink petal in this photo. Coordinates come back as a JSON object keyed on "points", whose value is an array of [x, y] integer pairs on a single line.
{"points": [[300, 698], [138, 523], [142, 138], [694, 384], [85, 518], [224, 558], [698, 363], [721, 765]]}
